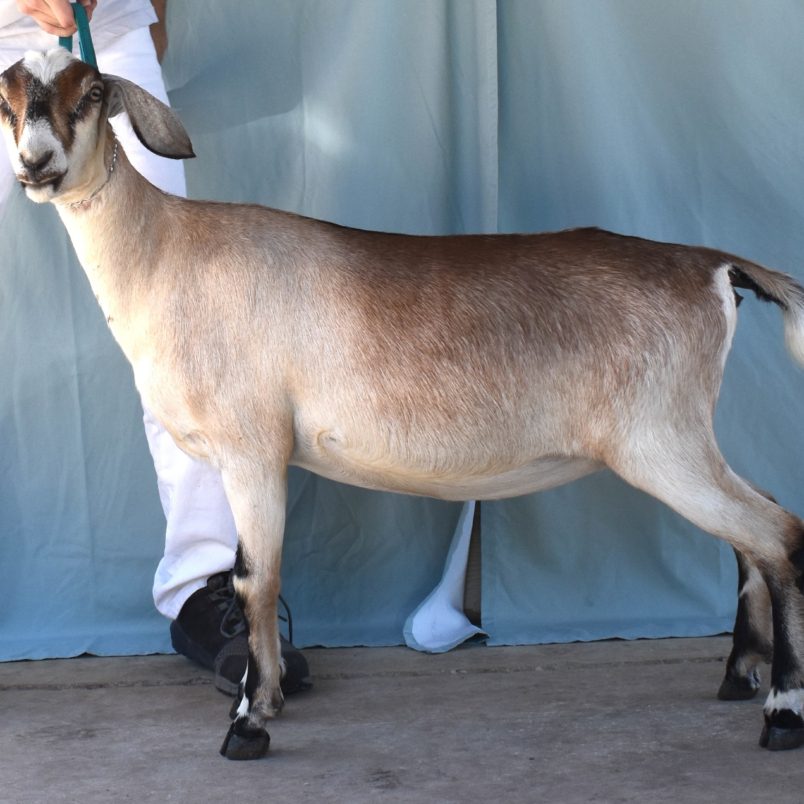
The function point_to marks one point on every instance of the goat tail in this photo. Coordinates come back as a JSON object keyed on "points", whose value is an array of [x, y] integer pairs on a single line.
{"points": [[780, 289]]}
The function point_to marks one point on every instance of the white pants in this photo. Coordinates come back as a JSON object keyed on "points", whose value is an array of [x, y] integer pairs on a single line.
{"points": [[200, 538]]}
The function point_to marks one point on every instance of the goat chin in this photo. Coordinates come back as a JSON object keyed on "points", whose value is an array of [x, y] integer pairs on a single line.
{"points": [[467, 365], [40, 195]]}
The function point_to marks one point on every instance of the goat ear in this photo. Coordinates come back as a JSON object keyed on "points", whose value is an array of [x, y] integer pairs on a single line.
{"points": [[155, 124]]}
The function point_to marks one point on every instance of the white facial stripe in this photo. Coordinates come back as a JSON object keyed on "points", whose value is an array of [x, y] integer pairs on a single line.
{"points": [[46, 66], [37, 136], [37, 139]]}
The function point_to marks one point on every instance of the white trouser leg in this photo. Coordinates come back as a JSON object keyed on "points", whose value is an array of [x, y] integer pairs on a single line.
{"points": [[200, 539]]}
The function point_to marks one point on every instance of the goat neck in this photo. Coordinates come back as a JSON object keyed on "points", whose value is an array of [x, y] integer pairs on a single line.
{"points": [[113, 222]]}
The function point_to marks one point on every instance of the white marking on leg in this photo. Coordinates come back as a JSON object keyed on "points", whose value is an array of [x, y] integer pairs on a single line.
{"points": [[792, 700], [243, 706]]}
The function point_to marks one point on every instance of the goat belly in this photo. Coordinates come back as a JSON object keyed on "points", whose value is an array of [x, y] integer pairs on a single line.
{"points": [[329, 455]]}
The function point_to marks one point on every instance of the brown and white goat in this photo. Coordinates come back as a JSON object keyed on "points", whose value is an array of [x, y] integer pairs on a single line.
{"points": [[456, 367]]}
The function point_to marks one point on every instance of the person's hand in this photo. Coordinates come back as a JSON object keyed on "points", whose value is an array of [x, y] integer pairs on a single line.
{"points": [[54, 16]]}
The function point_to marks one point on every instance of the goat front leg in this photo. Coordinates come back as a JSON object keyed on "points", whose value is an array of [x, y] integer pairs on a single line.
{"points": [[257, 498]]}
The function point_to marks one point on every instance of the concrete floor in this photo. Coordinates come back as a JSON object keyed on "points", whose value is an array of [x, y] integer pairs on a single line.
{"points": [[603, 722]]}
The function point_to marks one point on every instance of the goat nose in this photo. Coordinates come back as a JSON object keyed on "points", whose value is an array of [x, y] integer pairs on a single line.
{"points": [[34, 163]]}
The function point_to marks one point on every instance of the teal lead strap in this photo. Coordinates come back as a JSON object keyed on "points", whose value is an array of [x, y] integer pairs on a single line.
{"points": [[84, 37]]}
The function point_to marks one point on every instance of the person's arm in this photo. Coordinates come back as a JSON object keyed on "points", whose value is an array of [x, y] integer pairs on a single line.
{"points": [[54, 16]]}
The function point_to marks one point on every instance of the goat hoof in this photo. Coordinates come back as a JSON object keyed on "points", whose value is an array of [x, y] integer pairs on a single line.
{"points": [[245, 742], [775, 738], [738, 688]]}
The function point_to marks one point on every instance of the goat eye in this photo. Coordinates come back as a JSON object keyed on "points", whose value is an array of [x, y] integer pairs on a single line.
{"points": [[95, 94]]}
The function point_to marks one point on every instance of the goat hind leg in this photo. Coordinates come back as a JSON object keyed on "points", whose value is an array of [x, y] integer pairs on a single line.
{"points": [[259, 513], [752, 642], [784, 707], [686, 471]]}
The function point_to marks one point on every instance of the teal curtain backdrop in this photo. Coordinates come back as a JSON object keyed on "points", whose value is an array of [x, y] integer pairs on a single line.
{"points": [[680, 121]]}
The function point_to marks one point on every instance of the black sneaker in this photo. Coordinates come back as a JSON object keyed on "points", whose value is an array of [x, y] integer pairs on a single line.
{"points": [[211, 630]]}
